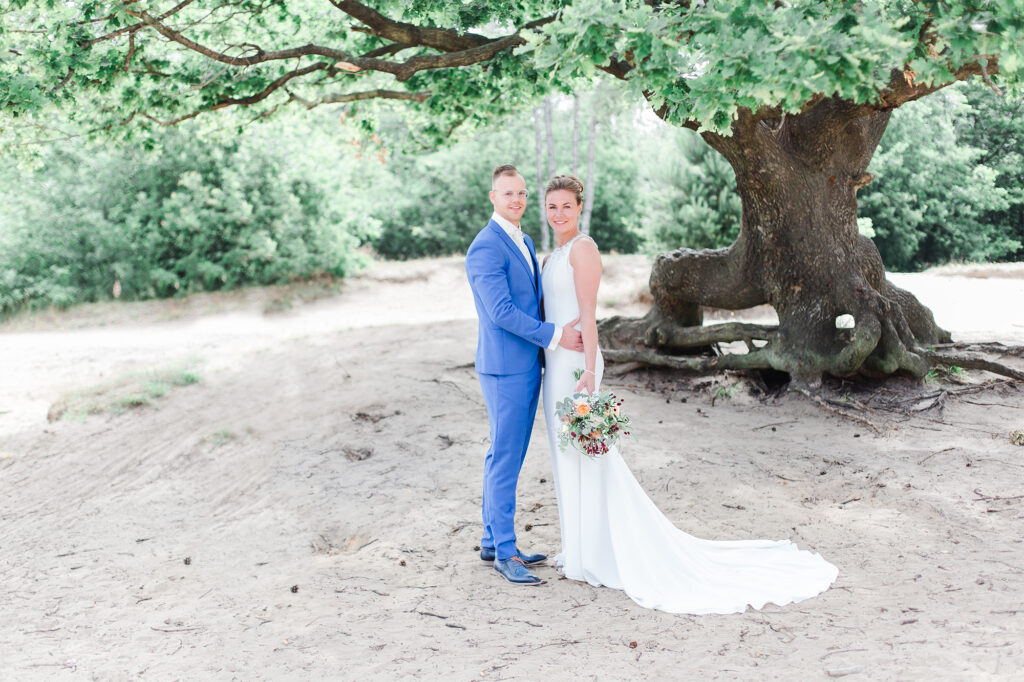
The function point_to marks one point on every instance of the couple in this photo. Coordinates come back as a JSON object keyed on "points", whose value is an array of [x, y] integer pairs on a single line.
{"points": [[612, 533]]}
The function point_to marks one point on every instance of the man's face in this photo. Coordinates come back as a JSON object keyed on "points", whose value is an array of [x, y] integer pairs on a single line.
{"points": [[509, 197]]}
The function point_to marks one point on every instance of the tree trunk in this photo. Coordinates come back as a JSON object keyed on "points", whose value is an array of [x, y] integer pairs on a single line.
{"points": [[798, 250], [576, 135], [588, 188], [551, 138], [545, 235]]}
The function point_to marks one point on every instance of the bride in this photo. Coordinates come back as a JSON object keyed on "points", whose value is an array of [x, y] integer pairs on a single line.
{"points": [[612, 533]]}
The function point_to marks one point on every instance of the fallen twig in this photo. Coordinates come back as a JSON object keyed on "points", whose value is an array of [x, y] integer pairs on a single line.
{"points": [[434, 615], [791, 421], [842, 413], [935, 453], [987, 498]]}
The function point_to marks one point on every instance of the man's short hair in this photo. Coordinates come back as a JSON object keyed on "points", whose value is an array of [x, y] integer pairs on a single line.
{"points": [[504, 169]]}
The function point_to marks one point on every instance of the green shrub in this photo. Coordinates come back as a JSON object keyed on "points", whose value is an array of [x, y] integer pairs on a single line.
{"points": [[190, 215]]}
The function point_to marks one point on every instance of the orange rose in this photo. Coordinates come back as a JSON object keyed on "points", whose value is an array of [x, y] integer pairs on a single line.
{"points": [[583, 409]]}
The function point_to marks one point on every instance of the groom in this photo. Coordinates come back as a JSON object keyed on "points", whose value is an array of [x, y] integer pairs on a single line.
{"points": [[503, 272]]}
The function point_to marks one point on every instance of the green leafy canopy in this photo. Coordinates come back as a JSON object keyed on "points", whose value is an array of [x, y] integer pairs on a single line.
{"points": [[118, 64]]}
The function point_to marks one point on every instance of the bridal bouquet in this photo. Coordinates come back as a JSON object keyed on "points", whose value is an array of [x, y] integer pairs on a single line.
{"points": [[591, 422]]}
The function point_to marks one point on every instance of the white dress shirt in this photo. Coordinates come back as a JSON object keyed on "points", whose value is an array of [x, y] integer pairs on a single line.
{"points": [[515, 233]]}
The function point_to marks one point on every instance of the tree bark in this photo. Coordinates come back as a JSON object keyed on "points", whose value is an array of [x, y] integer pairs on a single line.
{"points": [[798, 250]]}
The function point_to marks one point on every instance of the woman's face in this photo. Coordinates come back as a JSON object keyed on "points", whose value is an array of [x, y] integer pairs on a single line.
{"points": [[562, 210]]}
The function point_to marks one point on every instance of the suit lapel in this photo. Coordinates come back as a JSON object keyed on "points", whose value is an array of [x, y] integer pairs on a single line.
{"points": [[533, 256], [517, 255]]}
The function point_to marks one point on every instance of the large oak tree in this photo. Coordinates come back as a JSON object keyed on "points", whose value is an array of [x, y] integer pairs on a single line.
{"points": [[794, 94]]}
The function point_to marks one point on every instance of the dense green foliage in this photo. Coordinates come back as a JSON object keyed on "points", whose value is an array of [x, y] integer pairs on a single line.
{"points": [[210, 53], [190, 215]]}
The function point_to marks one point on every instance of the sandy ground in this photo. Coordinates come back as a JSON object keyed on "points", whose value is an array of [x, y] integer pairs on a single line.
{"points": [[309, 509]]}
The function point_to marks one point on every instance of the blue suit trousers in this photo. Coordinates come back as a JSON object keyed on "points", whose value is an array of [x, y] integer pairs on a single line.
{"points": [[511, 406]]}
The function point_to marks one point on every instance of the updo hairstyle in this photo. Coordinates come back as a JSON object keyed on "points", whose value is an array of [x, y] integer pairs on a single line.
{"points": [[566, 182]]}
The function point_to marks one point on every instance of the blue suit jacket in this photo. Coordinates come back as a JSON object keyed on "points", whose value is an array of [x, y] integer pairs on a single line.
{"points": [[507, 297]]}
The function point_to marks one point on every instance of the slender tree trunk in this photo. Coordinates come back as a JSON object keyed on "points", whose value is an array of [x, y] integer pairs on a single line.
{"points": [[588, 187], [551, 138], [576, 135], [798, 250], [545, 235]]}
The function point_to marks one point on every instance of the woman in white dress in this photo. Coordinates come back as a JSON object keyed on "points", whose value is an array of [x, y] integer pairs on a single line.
{"points": [[612, 533]]}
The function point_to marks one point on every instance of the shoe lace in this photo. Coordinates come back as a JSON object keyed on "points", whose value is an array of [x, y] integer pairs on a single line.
{"points": [[519, 560]]}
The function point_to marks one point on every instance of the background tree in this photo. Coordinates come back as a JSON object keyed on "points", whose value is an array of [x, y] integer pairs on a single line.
{"points": [[692, 196], [996, 126], [934, 199], [795, 96]]}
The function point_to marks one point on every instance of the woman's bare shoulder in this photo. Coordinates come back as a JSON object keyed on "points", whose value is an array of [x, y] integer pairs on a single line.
{"points": [[584, 250]]}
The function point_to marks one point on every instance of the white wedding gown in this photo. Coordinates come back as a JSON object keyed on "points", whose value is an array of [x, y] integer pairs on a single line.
{"points": [[614, 535]]}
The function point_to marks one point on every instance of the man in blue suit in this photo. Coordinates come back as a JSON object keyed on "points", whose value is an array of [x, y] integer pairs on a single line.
{"points": [[505, 278]]}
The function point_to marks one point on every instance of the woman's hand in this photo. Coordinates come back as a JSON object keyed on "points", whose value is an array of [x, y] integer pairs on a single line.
{"points": [[586, 383]]}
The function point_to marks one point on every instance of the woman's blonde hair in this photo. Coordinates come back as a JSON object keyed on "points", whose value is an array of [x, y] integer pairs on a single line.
{"points": [[566, 182]]}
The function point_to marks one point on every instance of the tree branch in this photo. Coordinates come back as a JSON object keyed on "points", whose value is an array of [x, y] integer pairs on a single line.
{"points": [[376, 94], [984, 74], [64, 81], [166, 124], [139, 26], [901, 89], [401, 70], [279, 83], [377, 24], [263, 94], [386, 50], [663, 111]]}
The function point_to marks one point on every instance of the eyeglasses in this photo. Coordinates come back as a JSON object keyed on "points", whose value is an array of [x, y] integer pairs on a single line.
{"points": [[509, 196]]}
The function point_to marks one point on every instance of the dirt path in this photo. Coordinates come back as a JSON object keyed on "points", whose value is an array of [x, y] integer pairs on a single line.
{"points": [[336, 447]]}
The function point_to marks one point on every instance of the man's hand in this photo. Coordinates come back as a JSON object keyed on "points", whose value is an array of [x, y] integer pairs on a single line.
{"points": [[571, 337]]}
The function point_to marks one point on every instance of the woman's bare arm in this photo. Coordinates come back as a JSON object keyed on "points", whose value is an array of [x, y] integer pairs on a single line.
{"points": [[586, 267]]}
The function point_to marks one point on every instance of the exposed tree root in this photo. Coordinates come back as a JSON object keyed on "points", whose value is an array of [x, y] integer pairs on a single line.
{"points": [[768, 357], [668, 336], [987, 346], [970, 362], [757, 359]]}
